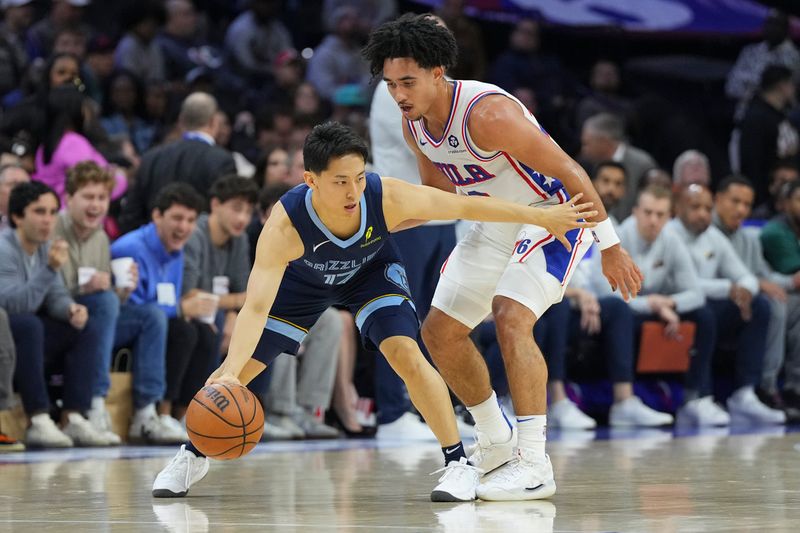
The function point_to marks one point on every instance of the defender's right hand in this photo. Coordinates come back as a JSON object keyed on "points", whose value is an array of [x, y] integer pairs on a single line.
{"points": [[564, 217]]}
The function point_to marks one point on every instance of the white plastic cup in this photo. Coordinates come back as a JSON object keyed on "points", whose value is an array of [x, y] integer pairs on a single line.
{"points": [[85, 275], [211, 317], [220, 285], [121, 268]]}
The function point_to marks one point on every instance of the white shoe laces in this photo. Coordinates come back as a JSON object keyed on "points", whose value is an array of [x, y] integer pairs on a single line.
{"points": [[173, 468], [456, 469]]}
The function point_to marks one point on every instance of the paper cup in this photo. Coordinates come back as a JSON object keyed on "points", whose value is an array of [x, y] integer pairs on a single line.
{"points": [[211, 317], [220, 285], [85, 275], [121, 268]]}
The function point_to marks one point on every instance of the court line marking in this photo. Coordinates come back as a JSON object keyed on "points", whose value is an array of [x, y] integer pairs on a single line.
{"points": [[240, 524]]}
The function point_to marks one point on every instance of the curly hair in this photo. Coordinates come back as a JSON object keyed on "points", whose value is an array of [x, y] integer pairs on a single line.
{"points": [[418, 37], [88, 172]]}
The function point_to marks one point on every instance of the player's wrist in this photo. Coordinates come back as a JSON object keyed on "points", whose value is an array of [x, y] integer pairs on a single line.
{"points": [[605, 235]]}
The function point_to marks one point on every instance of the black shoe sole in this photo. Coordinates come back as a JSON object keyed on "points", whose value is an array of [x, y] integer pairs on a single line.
{"points": [[164, 493], [441, 496]]}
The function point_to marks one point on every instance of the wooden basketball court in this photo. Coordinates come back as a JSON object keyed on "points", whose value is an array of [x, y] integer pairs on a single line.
{"points": [[649, 480]]}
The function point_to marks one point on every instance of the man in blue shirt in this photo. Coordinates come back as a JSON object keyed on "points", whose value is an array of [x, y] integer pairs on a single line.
{"points": [[157, 249]]}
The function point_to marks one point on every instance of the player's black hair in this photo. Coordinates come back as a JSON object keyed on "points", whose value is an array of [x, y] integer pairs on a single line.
{"points": [[233, 186], [23, 195], [608, 163], [181, 194], [734, 179], [418, 37], [329, 140]]}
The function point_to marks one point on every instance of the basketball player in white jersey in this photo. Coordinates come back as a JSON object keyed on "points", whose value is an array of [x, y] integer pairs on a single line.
{"points": [[474, 138]]}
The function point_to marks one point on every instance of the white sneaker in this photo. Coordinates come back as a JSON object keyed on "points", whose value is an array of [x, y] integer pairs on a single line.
{"points": [[529, 476], [488, 455], [100, 419], [458, 483], [564, 414], [702, 412], [313, 427], [152, 428], [44, 433], [82, 432], [286, 423], [274, 432], [746, 408], [183, 471], [408, 428], [632, 412]]}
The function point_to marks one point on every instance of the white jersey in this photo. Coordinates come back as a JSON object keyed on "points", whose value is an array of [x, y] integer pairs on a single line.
{"points": [[474, 171]]}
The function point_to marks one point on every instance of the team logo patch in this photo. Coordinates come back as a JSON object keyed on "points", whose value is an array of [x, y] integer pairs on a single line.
{"points": [[368, 234], [397, 275], [452, 141]]}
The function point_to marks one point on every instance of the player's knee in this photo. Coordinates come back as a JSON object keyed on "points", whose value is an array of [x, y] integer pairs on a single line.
{"points": [[511, 317], [439, 331], [404, 356]]}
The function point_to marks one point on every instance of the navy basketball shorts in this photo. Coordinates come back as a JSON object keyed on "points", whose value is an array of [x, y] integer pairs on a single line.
{"points": [[378, 298]]}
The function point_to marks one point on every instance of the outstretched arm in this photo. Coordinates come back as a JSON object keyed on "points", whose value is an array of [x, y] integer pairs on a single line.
{"points": [[278, 244], [498, 123], [403, 201]]}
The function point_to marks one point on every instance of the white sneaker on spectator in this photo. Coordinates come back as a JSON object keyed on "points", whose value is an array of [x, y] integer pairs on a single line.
{"points": [[312, 426], [286, 423], [44, 433], [458, 483], [183, 471], [529, 476], [82, 432], [564, 414], [745, 407], [408, 427], [100, 419], [488, 455], [702, 412], [273, 432], [148, 426], [632, 412]]}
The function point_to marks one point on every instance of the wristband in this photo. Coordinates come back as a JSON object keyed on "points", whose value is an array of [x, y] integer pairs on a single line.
{"points": [[605, 235]]}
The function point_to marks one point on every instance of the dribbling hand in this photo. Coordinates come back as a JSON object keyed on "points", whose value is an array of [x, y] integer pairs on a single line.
{"points": [[222, 376]]}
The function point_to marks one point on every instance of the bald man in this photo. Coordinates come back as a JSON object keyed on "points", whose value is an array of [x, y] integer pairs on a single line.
{"points": [[732, 293]]}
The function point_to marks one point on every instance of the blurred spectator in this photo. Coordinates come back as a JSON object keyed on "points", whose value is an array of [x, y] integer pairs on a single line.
{"points": [[217, 255], [223, 139], [290, 71], [781, 236], [524, 65], [8, 356], [775, 49], [157, 249], [98, 66], [471, 48], [307, 103], [181, 45], [17, 18], [732, 204], [691, 167], [604, 96], [48, 326], [194, 159], [610, 181], [765, 135], [273, 168], [269, 195], [11, 174], [656, 176], [71, 40], [65, 142], [62, 14], [337, 61], [732, 294], [256, 37], [124, 111], [296, 167], [138, 51], [603, 138], [784, 171]]}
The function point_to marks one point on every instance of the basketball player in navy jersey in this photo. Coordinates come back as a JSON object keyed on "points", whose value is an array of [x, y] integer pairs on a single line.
{"points": [[328, 242], [480, 140]]}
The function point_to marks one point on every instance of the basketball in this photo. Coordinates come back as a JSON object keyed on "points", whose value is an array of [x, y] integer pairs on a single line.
{"points": [[225, 421]]}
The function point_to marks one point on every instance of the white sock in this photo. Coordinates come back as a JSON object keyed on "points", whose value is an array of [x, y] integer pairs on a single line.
{"points": [[98, 403], [490, 419], [532, 432]]}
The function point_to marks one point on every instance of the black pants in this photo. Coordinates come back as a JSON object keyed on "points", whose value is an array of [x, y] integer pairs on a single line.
{"points": [[192, 354]]}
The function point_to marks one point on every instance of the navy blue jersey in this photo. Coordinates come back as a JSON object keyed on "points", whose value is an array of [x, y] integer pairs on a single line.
{"points": [[329, 261], [363, 273]]}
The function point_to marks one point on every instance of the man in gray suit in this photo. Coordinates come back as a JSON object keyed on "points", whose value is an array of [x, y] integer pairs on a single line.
{"points": [[603, 138]]}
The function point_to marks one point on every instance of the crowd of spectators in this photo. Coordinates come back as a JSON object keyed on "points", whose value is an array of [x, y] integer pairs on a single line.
{"points": [[139, 160]]}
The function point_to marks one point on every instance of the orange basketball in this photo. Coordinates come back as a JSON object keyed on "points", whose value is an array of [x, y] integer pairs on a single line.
{"points": [[224, 421]]}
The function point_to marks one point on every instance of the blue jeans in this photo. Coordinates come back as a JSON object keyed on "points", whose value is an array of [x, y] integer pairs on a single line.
{"points": [[143, 328], [103, 309]]}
